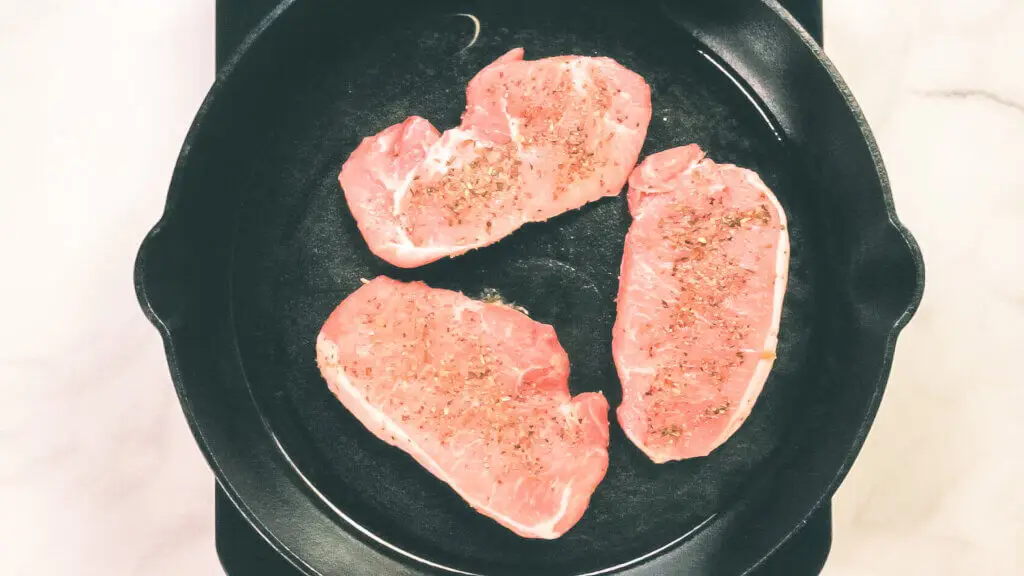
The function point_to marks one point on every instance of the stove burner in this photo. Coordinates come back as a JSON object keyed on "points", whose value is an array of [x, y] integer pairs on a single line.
{"points": [[243, 552]]}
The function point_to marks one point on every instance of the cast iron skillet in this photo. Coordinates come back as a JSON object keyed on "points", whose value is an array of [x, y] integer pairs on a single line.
{"points": [[256, 247]]}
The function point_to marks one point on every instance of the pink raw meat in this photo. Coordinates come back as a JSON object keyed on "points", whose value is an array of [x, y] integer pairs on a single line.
{"points": [[477, 393], [700, 297], [538, 138]]}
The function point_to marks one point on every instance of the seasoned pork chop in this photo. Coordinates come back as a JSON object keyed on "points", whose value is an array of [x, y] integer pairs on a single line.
{"points": [[477, 393], [538, 138], [700, 297]]}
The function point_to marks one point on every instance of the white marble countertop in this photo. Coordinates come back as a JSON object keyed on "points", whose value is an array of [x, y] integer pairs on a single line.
{"points": [[100, 476]]}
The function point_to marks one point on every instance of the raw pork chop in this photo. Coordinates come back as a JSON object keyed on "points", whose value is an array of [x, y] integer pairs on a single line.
{"points": [[477, 393], [700, 296], [537, 139]]}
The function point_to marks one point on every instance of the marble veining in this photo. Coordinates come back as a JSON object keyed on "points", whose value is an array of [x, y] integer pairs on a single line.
{"points": [[983, 94]]}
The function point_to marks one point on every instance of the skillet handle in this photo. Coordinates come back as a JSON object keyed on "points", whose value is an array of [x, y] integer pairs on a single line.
{"points": [[809, 14]]}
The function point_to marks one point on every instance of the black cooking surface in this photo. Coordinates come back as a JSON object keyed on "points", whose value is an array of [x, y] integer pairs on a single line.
{"points": [[243, 552]]}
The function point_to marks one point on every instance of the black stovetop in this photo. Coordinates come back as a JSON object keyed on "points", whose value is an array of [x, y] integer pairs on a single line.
{"points": [[243, 552]]}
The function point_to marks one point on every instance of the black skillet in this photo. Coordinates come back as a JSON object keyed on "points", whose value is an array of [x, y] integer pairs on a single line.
{"points": [[256, 247]]}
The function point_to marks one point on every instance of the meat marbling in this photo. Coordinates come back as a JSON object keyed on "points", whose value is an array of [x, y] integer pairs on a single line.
{"points": [[477, 393], [537, 138], [701, 290]]}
